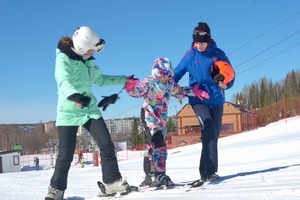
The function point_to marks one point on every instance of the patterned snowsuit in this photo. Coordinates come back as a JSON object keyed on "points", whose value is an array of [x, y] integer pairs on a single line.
{"points": [[154, 115]]}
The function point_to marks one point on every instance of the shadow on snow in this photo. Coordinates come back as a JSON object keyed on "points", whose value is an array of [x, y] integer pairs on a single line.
{"points": [[223, 178]]}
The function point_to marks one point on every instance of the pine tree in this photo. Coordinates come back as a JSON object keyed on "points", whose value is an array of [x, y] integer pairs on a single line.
{"points": [[137, 138], [171, 127]]}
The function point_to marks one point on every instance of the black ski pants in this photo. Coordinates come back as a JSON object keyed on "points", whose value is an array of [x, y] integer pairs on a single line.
{"points": [[67, 144], [210, 119]]}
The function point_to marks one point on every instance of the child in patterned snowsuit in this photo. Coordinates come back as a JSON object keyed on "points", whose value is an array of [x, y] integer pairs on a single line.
{"points": [[157, 90]]}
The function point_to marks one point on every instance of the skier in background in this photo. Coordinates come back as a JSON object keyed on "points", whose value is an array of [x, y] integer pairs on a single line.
{"points": [[52, 160], [80, 156], [157, 90], [37, 163], [82, 161], [75, 74], [199, 62]]}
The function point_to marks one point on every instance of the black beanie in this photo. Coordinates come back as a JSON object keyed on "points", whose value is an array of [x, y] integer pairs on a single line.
{"points": [[201, 28]]}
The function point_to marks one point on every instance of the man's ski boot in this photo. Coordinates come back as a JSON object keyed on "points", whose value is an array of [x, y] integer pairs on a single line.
{"points": [[213, 177], [54, 194]]}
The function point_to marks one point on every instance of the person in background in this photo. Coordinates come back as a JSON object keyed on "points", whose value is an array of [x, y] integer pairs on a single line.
{"points": [[199, 62], [157, 90], [52, 160], [80, 154], [37, 163], [82, 161], [75, 74]]}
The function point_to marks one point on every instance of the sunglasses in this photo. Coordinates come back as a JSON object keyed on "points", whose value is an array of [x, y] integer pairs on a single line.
{"points": [[201, 33], [99, 46]]}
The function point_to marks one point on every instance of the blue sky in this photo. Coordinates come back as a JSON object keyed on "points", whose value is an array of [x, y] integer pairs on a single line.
{"points": [[137, 32]]}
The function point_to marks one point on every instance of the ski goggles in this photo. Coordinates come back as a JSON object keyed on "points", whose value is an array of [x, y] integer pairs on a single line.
{"points": [[99, 46], [201, 33], [166, 73]]}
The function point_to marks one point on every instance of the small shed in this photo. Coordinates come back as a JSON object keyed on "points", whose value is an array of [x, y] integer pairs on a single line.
{"points": [[10, 161]]}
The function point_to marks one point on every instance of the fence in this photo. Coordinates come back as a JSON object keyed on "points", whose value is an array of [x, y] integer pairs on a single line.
{"points": [[48, 160], [237, 122], [287, 107]]}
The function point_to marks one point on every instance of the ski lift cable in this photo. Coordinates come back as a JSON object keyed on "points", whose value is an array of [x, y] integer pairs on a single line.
{"points": [[269, 58], [263, 51], [267, 31], [126, 110]]}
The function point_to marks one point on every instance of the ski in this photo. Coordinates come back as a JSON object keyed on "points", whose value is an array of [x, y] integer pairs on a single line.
{"points": [[161, 187], [179, 186]]}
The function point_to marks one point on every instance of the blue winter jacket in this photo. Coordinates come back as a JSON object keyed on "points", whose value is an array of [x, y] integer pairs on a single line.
{"points": [[198, 65]]}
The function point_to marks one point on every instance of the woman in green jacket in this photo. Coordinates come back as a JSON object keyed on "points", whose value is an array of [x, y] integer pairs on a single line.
{"points": [[75, 73]]}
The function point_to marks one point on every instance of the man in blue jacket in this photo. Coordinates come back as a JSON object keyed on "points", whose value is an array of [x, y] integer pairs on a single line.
{"points": [[199, 62]]}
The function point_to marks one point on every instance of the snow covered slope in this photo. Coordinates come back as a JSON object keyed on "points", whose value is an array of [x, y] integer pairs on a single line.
{"points": [[260, 164]]}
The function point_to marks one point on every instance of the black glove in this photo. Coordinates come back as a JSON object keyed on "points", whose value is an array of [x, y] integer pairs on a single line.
{"points": [[108, 100], [80, 98], [216, 75], [218, 78]]}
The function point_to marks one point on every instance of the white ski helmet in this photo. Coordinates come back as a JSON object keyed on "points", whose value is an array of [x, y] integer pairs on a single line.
{"points": [[84, 39]]}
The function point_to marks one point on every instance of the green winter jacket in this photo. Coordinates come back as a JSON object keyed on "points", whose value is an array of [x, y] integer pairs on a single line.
{"points": [[77, 76]]}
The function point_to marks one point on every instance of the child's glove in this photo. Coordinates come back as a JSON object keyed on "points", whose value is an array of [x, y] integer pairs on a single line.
{"points": [[200, 93], [131, 82]]}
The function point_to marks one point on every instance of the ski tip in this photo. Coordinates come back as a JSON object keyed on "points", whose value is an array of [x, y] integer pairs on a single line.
{"points": [[134, 188], [101, 187], [100, 184], [197, 183]]}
